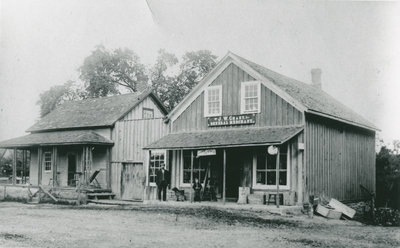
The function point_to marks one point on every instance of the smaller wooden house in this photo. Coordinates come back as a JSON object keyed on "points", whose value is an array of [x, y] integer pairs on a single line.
{"points": [[248, 130], [96, 143]]}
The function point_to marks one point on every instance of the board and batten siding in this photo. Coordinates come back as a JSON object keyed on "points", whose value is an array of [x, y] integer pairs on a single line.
{"points": [[130, 135], [274, 110], [136, 113], [339, 158]]}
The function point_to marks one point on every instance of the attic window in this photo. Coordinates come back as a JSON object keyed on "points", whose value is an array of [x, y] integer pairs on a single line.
{"points": [[213, 101], [148, 113], [250, 97]]}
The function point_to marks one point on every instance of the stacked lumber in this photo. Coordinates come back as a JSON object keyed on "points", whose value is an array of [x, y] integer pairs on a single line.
{"points": [[335, 210]]}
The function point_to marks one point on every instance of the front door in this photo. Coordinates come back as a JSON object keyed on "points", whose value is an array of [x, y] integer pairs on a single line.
{"points": [[234, 170], [71, 169], [133, 180]]}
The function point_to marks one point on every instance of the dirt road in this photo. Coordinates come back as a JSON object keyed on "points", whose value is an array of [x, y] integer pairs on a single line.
{"points": [[23, 225]]}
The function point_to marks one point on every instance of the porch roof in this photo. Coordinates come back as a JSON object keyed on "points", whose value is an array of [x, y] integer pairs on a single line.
{"points": [[57, 138], [226, 138]]}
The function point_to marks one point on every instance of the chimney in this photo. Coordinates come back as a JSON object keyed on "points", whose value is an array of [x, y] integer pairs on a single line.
{"points": [[316, 78]]}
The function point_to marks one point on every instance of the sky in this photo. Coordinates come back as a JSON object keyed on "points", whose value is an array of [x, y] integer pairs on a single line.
{"points": [[43, 43]]}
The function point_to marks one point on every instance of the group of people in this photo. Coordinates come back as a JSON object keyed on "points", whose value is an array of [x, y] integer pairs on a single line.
{"points": [[163, 179]]}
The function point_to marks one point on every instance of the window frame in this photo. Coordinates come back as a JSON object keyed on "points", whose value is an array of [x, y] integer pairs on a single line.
{"points": [[159, 152], [182, 165], [265, 186], [51, 161], [206, 109], [147, 109], [242, 97]]}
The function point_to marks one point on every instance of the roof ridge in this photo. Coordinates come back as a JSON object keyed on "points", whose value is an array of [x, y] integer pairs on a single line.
{"points": [[283, 81], [107, 97]]}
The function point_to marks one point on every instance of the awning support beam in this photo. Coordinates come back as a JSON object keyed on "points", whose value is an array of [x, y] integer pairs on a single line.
{"points": [[14, 167], [191, 175], [224, 179]]}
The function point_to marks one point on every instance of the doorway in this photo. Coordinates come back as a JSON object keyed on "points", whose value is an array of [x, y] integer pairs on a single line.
{"points": [[71, 169], [234, 170], [133, 180]]}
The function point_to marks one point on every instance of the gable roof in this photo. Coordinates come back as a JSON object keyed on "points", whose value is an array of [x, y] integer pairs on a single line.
{"points": [[57, 138], [93, 112], [314, 99], [304, 97]]}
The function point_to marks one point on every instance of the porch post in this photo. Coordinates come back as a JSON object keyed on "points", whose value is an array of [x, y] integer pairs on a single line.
{"points": [[277, 178], [224, 179], [148, 170], [39, 166], [108, 168], [54, 158], [191, 175], [14, 166]]}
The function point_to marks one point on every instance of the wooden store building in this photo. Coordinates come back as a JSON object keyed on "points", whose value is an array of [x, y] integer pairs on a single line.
{"points": [[94, 144], [249, 128]]}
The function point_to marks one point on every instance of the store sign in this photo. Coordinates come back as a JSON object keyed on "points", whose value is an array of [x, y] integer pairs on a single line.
{"points": [[231, 120], [209, 152]]}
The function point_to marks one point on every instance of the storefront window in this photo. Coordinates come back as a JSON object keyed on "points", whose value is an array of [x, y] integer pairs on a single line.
{"points": [[156, 160], [199, 169], [266, 168]]}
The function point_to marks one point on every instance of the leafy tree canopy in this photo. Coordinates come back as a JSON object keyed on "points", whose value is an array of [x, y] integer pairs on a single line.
{"points": [[56, 95], [194, 66], [388, 174], [107, 72]]}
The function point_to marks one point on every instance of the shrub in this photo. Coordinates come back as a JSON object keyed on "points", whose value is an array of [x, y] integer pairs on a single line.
{"points": [[387, 217]]}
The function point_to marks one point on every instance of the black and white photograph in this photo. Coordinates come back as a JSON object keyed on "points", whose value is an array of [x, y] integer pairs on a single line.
{"points": [[199, 123]]}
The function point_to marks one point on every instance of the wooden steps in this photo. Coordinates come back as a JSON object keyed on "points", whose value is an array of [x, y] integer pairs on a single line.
{"points": [[101, 195]]}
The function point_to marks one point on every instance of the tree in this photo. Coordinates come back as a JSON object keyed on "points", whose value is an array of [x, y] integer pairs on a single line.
{"points": [[194, 66], [162, 83], [107, 73], [388, 175], [56, 95]]}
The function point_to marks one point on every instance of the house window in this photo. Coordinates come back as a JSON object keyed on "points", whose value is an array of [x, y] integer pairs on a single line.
{"points": [[47, 161], [265, 169], [250, 97], [156, 160], [199, 169], [147, 113], [213, 101]]}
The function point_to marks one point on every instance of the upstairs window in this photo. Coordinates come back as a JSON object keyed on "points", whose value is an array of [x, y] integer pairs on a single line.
{"points": [[148, 113], [213, 101], [47, 161], [250, 97]]}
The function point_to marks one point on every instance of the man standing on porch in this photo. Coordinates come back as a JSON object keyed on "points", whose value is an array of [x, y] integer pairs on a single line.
{"points": [[162, 181]]}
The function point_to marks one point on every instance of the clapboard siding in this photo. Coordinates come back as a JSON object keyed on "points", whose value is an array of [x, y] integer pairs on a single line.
{"points": [[274, 110], [339, 158]]}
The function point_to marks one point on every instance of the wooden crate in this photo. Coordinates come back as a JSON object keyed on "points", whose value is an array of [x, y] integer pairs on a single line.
{"points": [[328, 213]]}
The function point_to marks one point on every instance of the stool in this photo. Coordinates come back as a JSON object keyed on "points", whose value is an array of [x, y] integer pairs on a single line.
{"points": [[272, 199]]}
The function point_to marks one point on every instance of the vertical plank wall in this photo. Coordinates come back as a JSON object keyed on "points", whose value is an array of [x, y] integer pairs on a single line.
{"points": [[339, 158], [274, 110], [130, 135]]}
